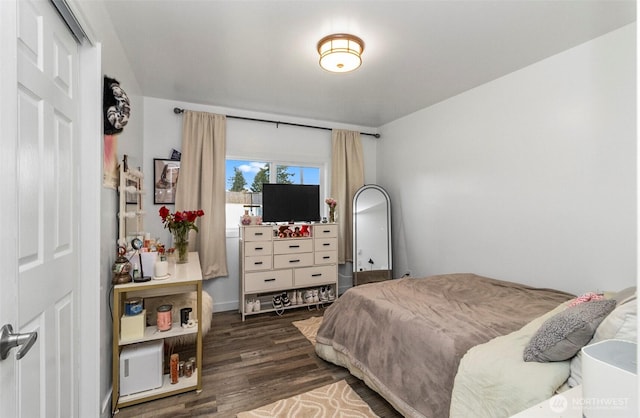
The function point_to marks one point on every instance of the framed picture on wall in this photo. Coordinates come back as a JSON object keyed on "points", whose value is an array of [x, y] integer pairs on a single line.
{"points": [[165, 180]]}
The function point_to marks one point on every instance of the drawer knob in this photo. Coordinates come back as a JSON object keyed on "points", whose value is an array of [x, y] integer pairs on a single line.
{"points": [[326, 244], [316, 275], [257, 263], [326, 257], [294, 261], [258, 233], [294, 246], [259, 248], [270, 280]]}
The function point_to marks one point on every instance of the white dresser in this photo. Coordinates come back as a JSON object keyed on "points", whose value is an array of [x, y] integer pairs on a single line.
{"points": [[271, 265]]}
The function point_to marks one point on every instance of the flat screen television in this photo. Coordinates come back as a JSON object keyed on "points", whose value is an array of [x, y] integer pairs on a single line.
{"points": [[290, 202]]}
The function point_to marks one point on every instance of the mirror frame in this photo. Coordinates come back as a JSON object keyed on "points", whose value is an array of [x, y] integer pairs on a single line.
{"points": [[369, 276]]}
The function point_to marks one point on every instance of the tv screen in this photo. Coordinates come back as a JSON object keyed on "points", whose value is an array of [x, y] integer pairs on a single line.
{"points": [[290, 202]]}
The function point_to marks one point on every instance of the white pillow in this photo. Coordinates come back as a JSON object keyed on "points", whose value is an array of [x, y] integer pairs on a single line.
{"points": [[621, 324]]}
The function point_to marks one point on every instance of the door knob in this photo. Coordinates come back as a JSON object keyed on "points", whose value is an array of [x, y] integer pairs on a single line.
{"points": [[9, 340]]}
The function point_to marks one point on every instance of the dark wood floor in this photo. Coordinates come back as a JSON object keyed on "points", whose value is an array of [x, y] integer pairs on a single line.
{"points": [[254, 363]]}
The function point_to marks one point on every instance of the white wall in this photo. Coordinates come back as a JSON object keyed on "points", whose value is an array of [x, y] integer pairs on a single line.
{"points": [[529, 178], [114, 63], [245, 140]]}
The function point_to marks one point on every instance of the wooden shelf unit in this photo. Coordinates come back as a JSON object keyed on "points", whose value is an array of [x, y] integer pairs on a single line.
{"points": [[184, 278]]}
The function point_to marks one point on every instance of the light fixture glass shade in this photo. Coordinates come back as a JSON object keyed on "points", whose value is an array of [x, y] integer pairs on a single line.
{"points": [[340, 52]]}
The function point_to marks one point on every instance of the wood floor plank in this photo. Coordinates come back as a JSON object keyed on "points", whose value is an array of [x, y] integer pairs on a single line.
{"points": [[254, 363]]}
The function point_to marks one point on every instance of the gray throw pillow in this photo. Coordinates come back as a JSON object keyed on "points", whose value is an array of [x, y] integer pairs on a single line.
{"points": [[564, 334]]}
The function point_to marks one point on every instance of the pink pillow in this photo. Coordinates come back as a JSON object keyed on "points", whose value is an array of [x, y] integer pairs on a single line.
{"points": [[585, 298]]}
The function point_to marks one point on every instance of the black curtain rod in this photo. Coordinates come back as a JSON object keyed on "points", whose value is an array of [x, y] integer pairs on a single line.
{"points": [[178, 111]]}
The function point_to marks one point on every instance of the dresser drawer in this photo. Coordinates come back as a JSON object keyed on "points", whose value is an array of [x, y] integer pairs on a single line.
{"points": [[310, 276], [257, 248], [292, 246], [257, 233], [326, 244], [257, 262], [325, 231], [265, 281], [292, 260], [326, 257]]}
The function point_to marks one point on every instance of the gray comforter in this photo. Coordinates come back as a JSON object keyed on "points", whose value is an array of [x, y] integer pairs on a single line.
{"points": [[408, 335]]}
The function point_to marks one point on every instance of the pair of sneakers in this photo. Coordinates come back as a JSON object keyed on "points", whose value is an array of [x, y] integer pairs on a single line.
{"points": [[323, 294], [281, 301], [311, 296], [331, 294], [298, 297], [252, 305]]}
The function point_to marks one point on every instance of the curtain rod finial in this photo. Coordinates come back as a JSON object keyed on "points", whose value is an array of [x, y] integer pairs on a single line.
{"points": [[177, 110]]}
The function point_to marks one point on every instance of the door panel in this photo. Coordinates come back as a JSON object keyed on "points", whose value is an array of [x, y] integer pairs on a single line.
{"points": [[31, 373], [48, 201], [66, 354]]}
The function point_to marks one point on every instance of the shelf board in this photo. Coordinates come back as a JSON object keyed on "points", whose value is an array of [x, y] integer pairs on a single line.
{"points": [[152, 333], [184, 384], [279, 290], [307, 305]]}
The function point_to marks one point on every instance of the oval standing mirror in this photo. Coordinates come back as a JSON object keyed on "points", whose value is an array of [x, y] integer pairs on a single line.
{"points": [[371, 235]]}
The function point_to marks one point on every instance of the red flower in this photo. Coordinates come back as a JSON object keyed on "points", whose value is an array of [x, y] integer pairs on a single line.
{"points": [[164, 212], [180, 222]]}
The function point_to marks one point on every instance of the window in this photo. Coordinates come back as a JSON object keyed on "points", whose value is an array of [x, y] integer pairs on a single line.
{"points": [[244, 185]]}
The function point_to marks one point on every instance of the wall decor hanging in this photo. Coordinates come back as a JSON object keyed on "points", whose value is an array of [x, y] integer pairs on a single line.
{"points": [[116, 107], [109, 162], [116, 110]]}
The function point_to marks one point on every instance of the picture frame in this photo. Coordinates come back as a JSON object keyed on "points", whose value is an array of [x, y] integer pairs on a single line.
{"points": [[165, 180]]}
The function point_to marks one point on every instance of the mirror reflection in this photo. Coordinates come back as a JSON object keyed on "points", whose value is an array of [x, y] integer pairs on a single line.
{"points": [[371, 235]]}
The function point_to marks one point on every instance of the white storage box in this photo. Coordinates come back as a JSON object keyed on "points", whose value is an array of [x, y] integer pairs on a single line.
{"points": [[132, 327], [141, 367], [609, 379]]}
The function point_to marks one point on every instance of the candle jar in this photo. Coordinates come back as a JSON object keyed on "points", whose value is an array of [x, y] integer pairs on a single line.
{"points": [[188, 368], [161, 268], [132, 306], [174, 368], [163, 317]]}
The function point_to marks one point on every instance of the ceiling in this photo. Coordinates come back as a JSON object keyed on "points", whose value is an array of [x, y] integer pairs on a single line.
{"points": [[261, 55]]}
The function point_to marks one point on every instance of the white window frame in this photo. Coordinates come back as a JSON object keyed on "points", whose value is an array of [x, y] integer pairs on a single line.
{"points": [[233, 232]]}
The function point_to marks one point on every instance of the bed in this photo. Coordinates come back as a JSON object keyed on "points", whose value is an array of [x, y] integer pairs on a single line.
{"points": [[405, 338]]}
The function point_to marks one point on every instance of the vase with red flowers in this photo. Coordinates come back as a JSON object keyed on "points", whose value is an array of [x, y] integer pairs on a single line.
{"points": [[179, 224]]}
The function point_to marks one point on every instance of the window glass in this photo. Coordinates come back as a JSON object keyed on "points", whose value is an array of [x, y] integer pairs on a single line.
{"points": [[297, 174], [243, 186], [244, 180]]}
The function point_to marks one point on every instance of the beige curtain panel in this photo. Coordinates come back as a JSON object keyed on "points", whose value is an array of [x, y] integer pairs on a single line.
{"points": [[201, 185], [347, 176]]}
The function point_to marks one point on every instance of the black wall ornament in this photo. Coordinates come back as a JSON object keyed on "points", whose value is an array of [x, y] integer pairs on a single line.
{"points": [[116, 107]]}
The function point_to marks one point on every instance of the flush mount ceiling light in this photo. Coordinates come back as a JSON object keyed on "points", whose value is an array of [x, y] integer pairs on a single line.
{"points": [[340, 52]]}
